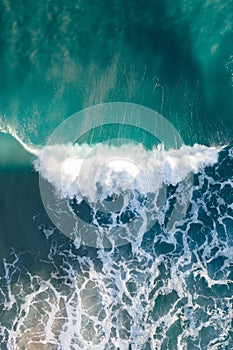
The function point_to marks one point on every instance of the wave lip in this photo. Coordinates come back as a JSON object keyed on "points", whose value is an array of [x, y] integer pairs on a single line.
{"points": [[115, 168]]}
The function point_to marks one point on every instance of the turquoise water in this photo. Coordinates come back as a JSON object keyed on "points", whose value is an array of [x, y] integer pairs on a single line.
{"points": [[172, 289], [174, 58]]}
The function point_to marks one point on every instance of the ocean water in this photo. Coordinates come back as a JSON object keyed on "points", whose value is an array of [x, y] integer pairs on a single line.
{"points": [[116, 175]]}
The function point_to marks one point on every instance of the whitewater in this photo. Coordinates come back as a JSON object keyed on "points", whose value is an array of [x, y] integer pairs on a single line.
{"points": [[148, 293]]}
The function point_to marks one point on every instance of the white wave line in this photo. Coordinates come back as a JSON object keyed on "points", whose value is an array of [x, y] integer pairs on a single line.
{"points": [[12, 132]]}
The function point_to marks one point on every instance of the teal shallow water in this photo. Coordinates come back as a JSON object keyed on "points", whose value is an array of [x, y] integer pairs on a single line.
{"points": [[174, 58]]}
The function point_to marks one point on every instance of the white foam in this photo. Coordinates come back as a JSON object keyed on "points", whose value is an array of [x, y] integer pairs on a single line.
{"points": [[8, 129], [103, 170]]}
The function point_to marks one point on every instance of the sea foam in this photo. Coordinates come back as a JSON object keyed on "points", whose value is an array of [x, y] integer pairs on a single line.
{"points": [[82, 170]]}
